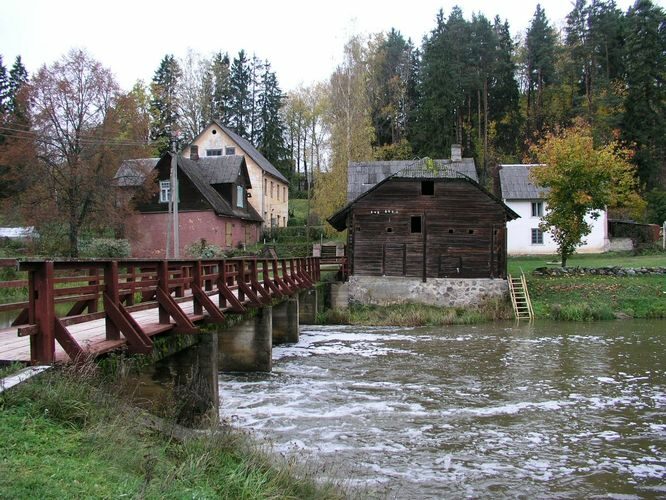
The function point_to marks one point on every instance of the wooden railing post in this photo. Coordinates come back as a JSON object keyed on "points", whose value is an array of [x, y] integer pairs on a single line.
{"points": [[221, 282], [42, 345], [92, 305], [240, 278], [196, 280], [111, 288], [163, 284], [131, 276]]}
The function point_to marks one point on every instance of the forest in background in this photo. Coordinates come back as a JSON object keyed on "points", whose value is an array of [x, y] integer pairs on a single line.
{"points": [[65, 129]]}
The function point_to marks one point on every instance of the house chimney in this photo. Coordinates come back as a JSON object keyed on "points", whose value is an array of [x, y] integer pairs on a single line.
{"points": [[456, 152], [194, 152]]}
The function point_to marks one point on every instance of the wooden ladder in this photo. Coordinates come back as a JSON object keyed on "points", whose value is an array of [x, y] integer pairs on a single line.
{"points": [[520, 297]]}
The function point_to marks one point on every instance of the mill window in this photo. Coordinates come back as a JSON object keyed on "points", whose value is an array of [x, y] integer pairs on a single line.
{"points": [[416, 224], [427, 188]]}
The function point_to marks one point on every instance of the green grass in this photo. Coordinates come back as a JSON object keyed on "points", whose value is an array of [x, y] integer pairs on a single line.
{"points": [[67, 435], [299, 207], [585, 298]]}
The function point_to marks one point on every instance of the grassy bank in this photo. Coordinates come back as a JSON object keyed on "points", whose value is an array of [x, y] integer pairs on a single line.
{"points": [[416, 315], [69, 436], [584, 298]]}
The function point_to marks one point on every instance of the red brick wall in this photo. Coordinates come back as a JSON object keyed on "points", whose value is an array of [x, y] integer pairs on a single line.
{"points": [[147, 232]]}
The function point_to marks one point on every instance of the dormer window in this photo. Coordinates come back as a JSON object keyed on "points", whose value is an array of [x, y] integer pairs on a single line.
{"points": [[165, 191], [240, 197]]}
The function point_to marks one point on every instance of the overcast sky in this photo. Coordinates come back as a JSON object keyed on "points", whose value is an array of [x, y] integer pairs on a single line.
{"points": [[303, 40]]}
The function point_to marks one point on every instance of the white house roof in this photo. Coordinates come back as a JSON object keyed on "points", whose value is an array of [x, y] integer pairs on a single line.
{"points": [[516, 184]]}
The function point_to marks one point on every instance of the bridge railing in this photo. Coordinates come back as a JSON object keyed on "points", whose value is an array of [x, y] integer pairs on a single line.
{"points": [[65, 293]]}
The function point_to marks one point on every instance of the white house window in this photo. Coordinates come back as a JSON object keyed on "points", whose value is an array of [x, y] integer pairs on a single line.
{"points": [[165, 191], [229, 151], [537, 209], [537, 236], [213, 152], [239, 197]]}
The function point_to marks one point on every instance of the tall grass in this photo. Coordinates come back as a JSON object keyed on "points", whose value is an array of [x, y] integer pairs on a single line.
{"points": [[410, 314], [69, 434]]}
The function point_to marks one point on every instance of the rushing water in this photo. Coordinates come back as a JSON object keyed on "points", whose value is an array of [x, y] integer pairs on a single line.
{"points": [[555, 409]]}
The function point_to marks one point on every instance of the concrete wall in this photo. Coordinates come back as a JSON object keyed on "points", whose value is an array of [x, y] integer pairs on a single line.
{"points": [[271, 204], [444, 292], [519, 232], [147, 232]]}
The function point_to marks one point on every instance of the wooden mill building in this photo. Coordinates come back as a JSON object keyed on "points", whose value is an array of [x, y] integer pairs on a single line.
{"points": [[423, 219]]}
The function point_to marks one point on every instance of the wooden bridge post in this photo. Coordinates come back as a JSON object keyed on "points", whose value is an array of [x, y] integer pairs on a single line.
{"points": [[42, 301], [111, 286], [163, 284], [196, 280]]}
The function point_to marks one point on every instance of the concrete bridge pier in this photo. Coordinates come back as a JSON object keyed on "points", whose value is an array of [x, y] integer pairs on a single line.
{"points": [[247, 347], [286, 321], [308, 306]]}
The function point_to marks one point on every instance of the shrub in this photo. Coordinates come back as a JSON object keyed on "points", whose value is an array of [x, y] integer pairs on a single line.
{"points": [[203, 250], [105, 248]]}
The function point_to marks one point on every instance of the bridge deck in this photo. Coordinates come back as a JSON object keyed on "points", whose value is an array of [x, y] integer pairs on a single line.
{"points": [[91, 335]]}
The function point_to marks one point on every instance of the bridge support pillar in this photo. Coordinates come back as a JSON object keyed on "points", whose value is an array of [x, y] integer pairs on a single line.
{"points": [[285, 321], [308, 306], [247, 347]]}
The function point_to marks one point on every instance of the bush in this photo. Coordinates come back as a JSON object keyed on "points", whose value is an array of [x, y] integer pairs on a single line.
{"points": [[203, 250], [105, 248]]}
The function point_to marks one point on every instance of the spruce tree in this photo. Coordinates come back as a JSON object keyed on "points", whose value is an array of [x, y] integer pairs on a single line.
{"points": [[240, 97], [18, 78], [540, 46], [164, 103], [221, 98], [644, 118], [271, 129]]}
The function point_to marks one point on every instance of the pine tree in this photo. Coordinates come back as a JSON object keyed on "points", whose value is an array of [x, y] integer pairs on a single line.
{"points": [[271, 129], [504, 95], [18, 78], [540, 45], [240, 97], [164, 103], [4, 88], [645, 103], [221, 98]]}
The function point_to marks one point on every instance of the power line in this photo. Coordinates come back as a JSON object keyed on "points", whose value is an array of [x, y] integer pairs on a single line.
{"points": [[81, 139]]}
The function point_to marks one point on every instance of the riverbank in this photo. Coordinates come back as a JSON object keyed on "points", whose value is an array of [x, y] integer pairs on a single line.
{"points": [[595, 297], [68, 434], [571, 297]]}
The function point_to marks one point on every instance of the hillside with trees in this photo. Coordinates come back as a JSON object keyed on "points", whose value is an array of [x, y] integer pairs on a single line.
{"points": [[470, 81]]}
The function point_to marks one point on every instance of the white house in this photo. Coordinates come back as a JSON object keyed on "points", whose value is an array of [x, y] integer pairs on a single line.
{"points": [[523, 235]]}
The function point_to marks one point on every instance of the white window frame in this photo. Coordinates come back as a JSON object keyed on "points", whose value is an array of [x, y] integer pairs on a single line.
{"points": [[165, 191], [240, 197], [536, 234], [537, 209]]}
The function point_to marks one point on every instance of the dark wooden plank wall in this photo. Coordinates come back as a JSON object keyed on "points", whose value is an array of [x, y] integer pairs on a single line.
{"points": [[464, 229]]}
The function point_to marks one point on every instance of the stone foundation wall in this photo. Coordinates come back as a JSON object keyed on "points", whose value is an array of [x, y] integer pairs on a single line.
{"points": [[444, 292]]}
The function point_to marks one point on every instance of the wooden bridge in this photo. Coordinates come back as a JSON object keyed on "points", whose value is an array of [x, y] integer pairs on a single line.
{"points": [[81, 309]]}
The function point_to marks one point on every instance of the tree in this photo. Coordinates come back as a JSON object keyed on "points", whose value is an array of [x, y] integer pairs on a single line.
{"points": [[4, 88], [240, 105], [194, 95], [350, 125], [645, 102], [581, 180], [79, 131], [221, 98], [269, 135], [164, 106], [540, 64]]}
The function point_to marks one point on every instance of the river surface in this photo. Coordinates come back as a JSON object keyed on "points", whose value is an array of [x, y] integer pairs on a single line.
{"points": [[563, 410]]}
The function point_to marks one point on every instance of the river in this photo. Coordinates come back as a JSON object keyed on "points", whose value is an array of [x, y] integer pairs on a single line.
{"points": [[564, 410]]}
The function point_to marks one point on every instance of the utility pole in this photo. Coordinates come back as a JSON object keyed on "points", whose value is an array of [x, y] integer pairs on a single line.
{"points": [[174, 195]]}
